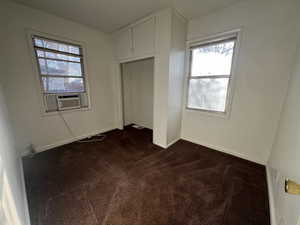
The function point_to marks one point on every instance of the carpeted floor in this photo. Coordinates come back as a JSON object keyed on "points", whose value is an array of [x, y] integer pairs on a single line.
{"points": [[126, 180]]}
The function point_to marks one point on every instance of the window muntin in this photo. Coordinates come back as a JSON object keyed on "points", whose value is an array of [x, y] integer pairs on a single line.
{"points": [[209, 75], [60, 66]]}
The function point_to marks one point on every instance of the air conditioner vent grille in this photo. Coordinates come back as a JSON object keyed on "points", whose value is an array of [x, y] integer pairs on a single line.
{"points": [[66, 102], [61, 102]]}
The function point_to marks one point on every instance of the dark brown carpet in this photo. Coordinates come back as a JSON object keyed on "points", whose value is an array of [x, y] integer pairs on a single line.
{"points": [[126, 180]]}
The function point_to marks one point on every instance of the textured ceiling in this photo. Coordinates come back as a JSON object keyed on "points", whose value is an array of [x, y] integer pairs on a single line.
{"points": [[109, 15]]}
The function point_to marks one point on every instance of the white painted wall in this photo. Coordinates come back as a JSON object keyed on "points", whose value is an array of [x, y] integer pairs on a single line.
{"points": [[161, 76], [13, 203], [126, 95], [286, 154], [20, 80], [176, 77], [168, 77], [138, 92], [284, 161], [266, 53]]}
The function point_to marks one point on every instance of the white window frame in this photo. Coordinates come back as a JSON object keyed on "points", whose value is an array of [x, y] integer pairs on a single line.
{"points": [[37, 77], [81, 56], [234, 34]]}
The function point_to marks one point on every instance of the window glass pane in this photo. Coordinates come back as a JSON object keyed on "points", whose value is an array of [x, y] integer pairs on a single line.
{"points": [[74, 50], [62, 84], [38, 42], [53, 67], [42, 64], [208, 94], [50, 45], [40, 53], [214, 59], [61, 56]]}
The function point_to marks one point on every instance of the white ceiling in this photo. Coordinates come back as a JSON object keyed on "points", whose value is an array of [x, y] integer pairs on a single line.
{"points": [[109, 15]]}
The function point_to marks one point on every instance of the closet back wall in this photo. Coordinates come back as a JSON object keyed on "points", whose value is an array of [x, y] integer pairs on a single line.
{"points": [[138, 92]]}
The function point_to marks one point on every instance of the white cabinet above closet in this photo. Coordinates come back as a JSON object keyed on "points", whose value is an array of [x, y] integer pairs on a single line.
{"points": [[124, 44], [144, 38], [137, 41]]}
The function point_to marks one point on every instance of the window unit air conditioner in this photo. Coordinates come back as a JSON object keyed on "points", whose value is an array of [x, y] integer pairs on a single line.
{"points": [[66, 102]]}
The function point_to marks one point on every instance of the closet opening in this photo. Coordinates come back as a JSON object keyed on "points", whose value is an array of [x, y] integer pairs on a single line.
{"points": [[137, 93]]}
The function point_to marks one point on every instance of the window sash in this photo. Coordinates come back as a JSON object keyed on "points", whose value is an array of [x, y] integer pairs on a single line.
{"points": [[82, 76], [57, 51], [46, 62], [57, 42], [210, 43], [61, 76], [212, 78], [61, 60], [45, 92], [214, 42]]}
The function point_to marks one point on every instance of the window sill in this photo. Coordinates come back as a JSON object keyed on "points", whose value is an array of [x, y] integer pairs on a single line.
{"points": [[221, 115], [65, 111]]}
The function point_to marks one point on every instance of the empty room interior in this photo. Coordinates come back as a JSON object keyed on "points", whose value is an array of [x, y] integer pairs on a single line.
{"points": [[150, 112]]}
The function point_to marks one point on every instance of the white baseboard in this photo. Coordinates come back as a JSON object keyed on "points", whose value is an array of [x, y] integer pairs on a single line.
{"points": [[70, 140], [167, 145], [173, 142], [230, 152], [271, 197], [160, 145]]}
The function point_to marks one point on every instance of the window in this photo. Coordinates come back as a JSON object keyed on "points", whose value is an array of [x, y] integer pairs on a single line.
{"points": [[60, 66], [61, 71], [210, 74]]}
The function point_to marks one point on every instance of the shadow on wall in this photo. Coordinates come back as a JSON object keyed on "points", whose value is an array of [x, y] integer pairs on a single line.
{"points": [[285, 155], [13, 208], [8, 211], [286, 206]]}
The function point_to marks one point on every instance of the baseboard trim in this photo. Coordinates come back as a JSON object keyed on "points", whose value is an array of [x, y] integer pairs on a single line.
{"points": [[160, 145], [271, 197], [173, 142], [227, 151], [70, 140]]}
